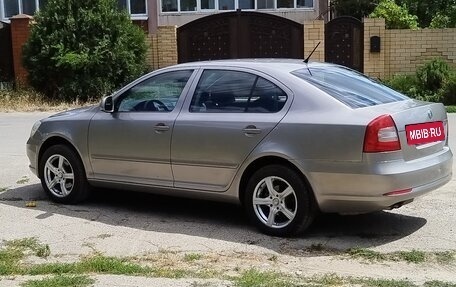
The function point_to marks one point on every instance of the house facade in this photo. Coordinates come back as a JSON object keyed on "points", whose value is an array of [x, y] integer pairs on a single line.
{"points": [[153, 13], [190, 30]]}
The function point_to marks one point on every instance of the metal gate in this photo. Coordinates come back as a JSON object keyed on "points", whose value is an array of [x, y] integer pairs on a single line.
{"points": [[240, 35], [344, 44], [6, 52]]}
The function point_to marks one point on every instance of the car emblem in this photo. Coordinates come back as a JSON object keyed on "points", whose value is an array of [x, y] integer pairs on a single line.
{"points": [[429, 113]]}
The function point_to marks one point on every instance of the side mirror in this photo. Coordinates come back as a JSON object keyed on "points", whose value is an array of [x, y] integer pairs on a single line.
{"points": [[107, 104]]}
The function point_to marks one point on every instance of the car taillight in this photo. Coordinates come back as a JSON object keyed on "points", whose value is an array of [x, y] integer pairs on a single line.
{"points": [[381, 135]]}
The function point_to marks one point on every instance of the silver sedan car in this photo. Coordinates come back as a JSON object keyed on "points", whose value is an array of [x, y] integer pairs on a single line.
{"points": [[284, 138]]}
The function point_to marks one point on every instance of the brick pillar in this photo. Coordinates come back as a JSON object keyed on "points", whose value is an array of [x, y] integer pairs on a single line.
{"points": [[152, 51], [374, 63], [167, 46], [314, 32], [20, 30]]}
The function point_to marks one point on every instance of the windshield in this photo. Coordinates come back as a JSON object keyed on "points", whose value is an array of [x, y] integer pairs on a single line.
{"points": [[349, 87]]}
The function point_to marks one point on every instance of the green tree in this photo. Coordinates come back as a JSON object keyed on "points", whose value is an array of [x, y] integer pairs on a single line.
{"points": [[83, 49], [396, 17], [445, 19], [354, 8], [426, 10]]}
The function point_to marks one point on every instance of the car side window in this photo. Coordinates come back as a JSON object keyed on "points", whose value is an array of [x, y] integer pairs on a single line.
{"points": [[225, 91], [159, 93]]}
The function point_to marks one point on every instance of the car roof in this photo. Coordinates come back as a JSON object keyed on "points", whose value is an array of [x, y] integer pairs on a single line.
{"points": [[285, 65]]}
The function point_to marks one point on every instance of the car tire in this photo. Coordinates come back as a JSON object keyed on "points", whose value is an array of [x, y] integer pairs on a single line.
{"points": [[63, 176], [286, 210]]}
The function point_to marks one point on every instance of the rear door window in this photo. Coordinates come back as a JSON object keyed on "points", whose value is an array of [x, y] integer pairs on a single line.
{"points": [[349, 87], [226, 91]]}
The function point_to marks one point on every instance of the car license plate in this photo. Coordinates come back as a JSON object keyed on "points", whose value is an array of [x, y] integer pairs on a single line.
{"points": [[425, 133]]}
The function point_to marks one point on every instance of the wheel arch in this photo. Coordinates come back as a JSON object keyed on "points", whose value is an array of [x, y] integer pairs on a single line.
{"points": [[56, 140], [264, 161]]}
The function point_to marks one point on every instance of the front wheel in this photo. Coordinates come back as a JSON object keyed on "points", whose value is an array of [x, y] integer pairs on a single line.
{"points": [[62, 175], [278, 201]]}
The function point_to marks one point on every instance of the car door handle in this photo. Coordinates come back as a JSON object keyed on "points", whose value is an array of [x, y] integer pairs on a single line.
{"points": [[251, 130], [161, 127]]}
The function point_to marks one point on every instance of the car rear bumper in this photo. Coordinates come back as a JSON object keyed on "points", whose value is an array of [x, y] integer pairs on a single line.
{"points": [[364, 191]]}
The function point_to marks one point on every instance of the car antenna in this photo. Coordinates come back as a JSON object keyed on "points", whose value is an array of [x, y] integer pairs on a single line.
{"points": [[307, 59]]}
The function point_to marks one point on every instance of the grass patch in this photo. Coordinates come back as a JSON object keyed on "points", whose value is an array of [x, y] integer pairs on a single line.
{"points": [[29, 244], [23, 180], [96, 264], [370, 282], [189, 257], [255, 278], [445, 257], [367, 254], [450, 109], [436, 283], [413, 256], [15, 250], [104, 235], [3, 189], [27, 100], [72, 274], [61, 281], [100, 264], [327, 280], [110, 265]]}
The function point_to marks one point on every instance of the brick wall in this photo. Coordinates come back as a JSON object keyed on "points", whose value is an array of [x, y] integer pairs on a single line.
{"points": [[403, 51], [20, 30], [314, 32], [163, 47], [374, 63], [408, 49]]}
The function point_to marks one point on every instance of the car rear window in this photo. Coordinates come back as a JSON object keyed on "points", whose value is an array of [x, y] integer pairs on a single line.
{"points": [[349, 87]]}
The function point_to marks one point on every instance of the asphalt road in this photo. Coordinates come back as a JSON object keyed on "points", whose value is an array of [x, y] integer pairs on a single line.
{"points": [[132, 224]]}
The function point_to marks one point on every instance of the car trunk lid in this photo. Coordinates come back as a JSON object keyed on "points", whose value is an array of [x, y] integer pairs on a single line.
{"points": [[422, 129]]}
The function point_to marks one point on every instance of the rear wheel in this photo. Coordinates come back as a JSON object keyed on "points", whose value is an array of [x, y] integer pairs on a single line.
{"points": [[278, 201], [62, 175]]}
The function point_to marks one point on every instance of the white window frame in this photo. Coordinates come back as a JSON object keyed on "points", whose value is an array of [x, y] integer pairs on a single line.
{"points": [[236, 6], [198, 4], [142, 16], [2, 9]]}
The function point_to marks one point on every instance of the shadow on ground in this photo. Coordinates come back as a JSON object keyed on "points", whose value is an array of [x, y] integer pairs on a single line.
{"points": [[208, 219]]}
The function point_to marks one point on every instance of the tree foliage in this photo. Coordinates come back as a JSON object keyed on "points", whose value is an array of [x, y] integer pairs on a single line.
{"points": [[396, 17], [445, 19], [354, 8], [401, 13], [83, 49], [426, 10], [434, 81]]}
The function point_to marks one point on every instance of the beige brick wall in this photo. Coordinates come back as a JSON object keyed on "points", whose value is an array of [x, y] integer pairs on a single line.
{"points": [[401, 51], [314, 32], [408, 49], [162, 51], [374, 63]]}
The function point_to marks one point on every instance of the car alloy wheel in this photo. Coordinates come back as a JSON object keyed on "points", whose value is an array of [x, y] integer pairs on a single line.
{"points": [[62, 175], [274, 202], [58, 175], [279, 201]]}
